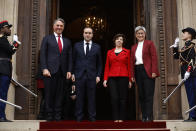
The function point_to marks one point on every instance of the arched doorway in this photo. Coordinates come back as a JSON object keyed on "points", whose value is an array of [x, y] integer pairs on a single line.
{"points": [[107, 19]]}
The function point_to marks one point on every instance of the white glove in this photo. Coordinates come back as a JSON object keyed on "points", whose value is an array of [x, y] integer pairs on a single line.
{"points": [[176, 44], [15, 38], [186, 75]]}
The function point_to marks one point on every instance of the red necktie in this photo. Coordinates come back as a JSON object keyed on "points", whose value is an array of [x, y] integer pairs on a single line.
{"points": [[59, 43]]}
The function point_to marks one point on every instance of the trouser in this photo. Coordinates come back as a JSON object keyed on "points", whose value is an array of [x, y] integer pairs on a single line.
{"points": [[146, 87], [190, 85], [4, 86], [85, 86], [53, 90], [68, 103], [118, 92], [41, 115]]}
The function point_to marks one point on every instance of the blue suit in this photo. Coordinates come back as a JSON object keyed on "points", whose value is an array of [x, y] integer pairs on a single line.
{"points": [[86, 68], [58, 64]]}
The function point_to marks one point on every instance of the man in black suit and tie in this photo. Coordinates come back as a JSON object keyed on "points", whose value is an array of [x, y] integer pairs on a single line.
{"points": [[87, 68], [56, 65]]}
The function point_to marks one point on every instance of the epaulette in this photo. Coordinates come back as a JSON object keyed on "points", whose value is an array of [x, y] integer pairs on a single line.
{"points": [[192, 43], [190, 46]]}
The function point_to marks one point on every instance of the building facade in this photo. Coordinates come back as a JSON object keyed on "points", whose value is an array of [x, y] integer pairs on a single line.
{"points": [[163, 19]]}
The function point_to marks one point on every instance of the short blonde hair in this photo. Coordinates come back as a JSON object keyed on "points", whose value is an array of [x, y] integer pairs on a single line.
{"points": [[140, 28]]}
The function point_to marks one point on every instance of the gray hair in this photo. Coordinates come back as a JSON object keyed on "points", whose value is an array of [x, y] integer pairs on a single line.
{"points": [[140, 28], [59, 19]]}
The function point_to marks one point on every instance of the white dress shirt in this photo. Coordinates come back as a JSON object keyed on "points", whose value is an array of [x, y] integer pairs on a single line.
{"points": [[138, 53], [57, 37], [90, 45]]}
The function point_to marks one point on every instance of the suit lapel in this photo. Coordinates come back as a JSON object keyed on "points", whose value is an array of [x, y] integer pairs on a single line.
{"points": [[143, 49], [135, 48], [55, 42], [119, 55], [63, 44], [82, 48], [92, 48]]}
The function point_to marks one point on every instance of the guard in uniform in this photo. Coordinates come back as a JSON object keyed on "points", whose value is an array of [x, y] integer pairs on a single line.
{"points": [[6, 52], [187, 62]]}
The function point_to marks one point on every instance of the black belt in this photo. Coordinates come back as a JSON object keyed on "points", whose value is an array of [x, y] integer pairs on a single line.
{"points": [[139, 65], [5, 59]]}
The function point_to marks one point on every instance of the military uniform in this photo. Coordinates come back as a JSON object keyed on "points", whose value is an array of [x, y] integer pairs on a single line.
{"points": [[187, 61], [6, 52]]}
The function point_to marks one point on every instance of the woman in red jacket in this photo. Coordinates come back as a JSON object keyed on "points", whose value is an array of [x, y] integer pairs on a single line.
{"points": [[144, 70], [117, 77]]}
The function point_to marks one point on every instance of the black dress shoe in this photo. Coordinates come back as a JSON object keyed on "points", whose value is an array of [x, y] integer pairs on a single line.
{"points": [[58, 119], [190, 119], [143, 119], [5, 120], [92, 120], [49, 119], [148, 119]]}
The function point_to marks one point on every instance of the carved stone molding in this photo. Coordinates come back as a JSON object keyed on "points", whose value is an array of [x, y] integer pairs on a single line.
{"points": [[34, 55], [162, 57]]}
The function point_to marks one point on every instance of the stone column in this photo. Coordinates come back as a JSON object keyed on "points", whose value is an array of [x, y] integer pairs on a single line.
{"points": [[186, 18], [9, 11]]}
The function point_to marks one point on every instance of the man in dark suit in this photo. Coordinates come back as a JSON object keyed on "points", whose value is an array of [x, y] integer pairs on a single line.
{"points": [[6, 52], [87, 68], [56, 65]]}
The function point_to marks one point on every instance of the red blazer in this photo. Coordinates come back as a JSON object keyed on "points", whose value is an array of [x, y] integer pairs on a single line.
{"points": [[149, 58], [117, 65]]}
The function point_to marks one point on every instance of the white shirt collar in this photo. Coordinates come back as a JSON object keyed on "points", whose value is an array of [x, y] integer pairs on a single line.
{"points": [[56, 35], [141, 42], [90, 42]]}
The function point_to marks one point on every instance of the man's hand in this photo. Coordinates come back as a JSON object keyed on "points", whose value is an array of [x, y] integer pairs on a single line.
{"points": [[154, 75], [97, 80], [46, 73], [105, 83], [176, 43], [73, 78], [15, 38], [133, 79], [130, 84], [73, 88], [186, 75], [68, 75]]}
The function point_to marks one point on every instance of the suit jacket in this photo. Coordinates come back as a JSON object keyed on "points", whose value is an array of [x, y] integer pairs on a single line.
{"points": [[91, 64], [117, 65], [6, 51], [52, 59], [149, 58]]}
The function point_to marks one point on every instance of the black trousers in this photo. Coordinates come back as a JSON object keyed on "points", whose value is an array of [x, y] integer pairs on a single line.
{"points": [[85, 86], [146, 87], [53, 89], [41, 115], [119, 93]]}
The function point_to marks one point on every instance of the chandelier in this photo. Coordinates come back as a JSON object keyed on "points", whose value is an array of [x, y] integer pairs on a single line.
{"points": [[97, 23], [95, 19]]}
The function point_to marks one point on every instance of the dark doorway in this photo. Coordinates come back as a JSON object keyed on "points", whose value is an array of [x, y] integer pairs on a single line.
{"points": [[117, 17]]}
